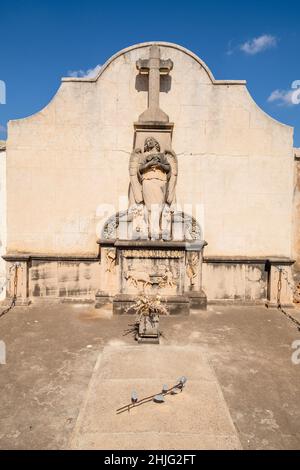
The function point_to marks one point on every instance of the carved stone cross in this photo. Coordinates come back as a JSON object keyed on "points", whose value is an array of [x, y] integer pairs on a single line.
{"points": [[154, 67]]}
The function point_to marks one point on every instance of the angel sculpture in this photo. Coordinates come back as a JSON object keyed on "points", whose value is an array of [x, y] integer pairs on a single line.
{"points": [[153, 176]]}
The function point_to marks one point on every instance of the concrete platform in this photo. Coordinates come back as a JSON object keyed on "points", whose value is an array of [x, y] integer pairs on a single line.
{"points": [[197, 418], [52, 350]]}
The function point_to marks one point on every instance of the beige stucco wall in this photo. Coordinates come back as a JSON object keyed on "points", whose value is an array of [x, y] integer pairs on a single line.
{"points": [[296, 221], [67, 160], [2, 222]]}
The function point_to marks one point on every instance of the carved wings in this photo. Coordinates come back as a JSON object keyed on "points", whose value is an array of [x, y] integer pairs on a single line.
{"points": [[172, 160], [135, 191]]}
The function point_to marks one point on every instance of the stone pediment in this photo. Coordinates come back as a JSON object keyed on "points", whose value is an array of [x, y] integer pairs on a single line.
{"points": [[160, 44], [186, 60]]}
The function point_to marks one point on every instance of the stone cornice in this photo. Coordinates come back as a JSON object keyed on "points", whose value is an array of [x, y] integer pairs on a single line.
{"points": [[26, 257], [193, 245], [274, 260]]}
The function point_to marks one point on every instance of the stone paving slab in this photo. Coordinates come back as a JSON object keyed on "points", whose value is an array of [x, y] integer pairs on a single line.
{"points": [[154, 361], [197, 418], [157, 441]]}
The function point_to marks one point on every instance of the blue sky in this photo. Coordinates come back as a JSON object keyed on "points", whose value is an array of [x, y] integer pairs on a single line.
{"points": [[43, 40]]}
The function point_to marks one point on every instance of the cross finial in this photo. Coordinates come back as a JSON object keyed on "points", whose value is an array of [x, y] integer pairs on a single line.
{"points": [[154, 67]]}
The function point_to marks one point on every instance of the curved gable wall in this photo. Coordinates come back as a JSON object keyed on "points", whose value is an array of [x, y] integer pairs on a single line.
{"points": [[68, 160]]}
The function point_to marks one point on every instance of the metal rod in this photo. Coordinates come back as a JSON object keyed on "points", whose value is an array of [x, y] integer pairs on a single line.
{"points": [[146, 399]]}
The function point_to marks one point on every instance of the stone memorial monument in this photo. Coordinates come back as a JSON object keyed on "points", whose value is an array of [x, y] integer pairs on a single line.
{"points": [[113, 188], [152, 243]]}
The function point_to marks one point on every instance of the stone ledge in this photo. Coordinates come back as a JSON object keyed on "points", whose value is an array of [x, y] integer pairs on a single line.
{"points": [[177, 304], [277, 260], [193, 245], [26, 257], [151, 244], [163, 126], [238, 302], [270, 304], [168, 298]]}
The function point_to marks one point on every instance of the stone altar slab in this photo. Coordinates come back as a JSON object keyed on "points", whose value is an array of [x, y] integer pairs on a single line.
{"points": [[169, 269], [197, 418]]}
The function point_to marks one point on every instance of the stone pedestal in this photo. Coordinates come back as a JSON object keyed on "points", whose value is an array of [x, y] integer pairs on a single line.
{"points": [[102, 299], [148, 330], [280, 282], [169, 269], [17, 285], [197, 300]]}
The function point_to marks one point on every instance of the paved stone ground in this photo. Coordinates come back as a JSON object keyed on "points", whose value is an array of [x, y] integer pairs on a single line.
{"points": [[52, 351], [198, 418]]}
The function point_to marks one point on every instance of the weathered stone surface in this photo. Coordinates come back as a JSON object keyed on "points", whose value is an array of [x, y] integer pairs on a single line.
{"points": [[2, 218], [296, 218], [177, 305], [234, 160], [198, 300], [153, 176], [197, 418], [235, 281], [235, 169]]}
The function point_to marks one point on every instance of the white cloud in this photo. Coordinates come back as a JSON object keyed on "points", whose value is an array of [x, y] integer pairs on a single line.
{"points": [[2, 92], [230, 48], [282, 97], [259, 44], [90, 73]]}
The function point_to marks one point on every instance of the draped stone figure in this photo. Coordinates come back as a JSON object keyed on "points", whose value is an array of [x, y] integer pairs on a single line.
{"points": [[153, 176]]}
